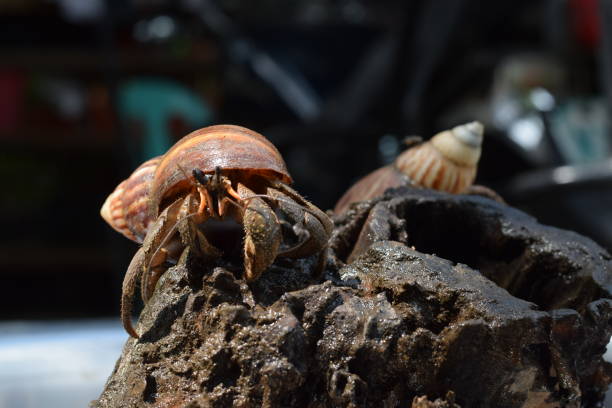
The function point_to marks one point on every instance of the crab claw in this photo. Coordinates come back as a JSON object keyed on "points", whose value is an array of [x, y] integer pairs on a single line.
{"points": [[308, 228], [262, 234]]}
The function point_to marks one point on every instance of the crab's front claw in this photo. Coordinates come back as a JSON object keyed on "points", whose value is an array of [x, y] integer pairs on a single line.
{"points": [[308, 207], [262, 234], [312, 236]]}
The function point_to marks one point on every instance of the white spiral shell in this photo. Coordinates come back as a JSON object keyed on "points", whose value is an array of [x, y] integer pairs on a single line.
{"points": [[447, 162]]}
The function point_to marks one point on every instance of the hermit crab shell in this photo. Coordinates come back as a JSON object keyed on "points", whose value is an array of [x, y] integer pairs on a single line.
{"points": [[447, 162], [228, 147], [126, 209]]}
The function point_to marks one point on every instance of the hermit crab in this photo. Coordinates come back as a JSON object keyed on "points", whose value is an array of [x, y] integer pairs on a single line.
{"points": [[219, 172], [447, 162]]}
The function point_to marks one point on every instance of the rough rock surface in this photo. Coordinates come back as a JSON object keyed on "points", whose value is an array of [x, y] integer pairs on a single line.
{"points": [[423, 402], [458, 298]]}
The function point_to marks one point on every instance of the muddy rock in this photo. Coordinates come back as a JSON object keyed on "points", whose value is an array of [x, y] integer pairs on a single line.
{"points": [[428, 300], [447, 402]]}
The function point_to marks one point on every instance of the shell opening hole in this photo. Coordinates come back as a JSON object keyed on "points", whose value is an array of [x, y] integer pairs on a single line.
{"points": [[468, 235], [226, 235]]}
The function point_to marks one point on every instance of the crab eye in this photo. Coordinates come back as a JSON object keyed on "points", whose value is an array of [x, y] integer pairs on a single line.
{"points": [[202, 178]]}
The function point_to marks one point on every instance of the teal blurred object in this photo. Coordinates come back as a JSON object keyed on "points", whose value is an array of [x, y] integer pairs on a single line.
{"points": [[154, 101], [579, 127]]}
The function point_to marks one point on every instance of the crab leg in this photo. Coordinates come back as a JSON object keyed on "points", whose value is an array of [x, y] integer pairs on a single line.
{"points": [[191, 236], [476, 189], [150, 255], [159, 245], [226, 202], [262, 234], [327, 224], [134, 272], [305, 225], [171, 250], [311, 224], [146, 284]]}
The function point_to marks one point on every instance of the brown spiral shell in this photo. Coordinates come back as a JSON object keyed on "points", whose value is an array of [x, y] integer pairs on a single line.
{"points": [[126, 209], [228, 147], [447, 162]]}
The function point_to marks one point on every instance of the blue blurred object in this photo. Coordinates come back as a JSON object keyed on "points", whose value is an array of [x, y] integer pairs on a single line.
{"points": [[57, 364], [154, 101], [580, 129]]}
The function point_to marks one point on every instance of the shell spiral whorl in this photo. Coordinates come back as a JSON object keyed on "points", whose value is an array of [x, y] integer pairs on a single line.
{"points": [[448, 162], [126, 208]]}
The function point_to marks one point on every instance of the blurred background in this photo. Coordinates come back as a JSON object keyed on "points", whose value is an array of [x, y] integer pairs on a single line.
{"points": [[91, 88]]}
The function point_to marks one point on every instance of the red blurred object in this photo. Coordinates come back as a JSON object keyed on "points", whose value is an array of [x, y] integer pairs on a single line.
{"points": [[584, 20], [12, 96]]}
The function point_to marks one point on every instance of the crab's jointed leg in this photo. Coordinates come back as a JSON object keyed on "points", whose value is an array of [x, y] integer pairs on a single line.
{"points": [[150, 256], [262, 234], [133, 274], [306, 226], [159, 245], [151, 275], [312, 227], [226, 202], [325, 221], [191, 236], [476, 189]]}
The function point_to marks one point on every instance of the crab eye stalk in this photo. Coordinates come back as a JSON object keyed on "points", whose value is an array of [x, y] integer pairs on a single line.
{"points": [[217, 174], [202, 178]]}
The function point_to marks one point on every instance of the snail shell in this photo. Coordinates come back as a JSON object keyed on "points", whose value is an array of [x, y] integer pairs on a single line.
{"points": [[447, 162], [234, 149], [126, 209], [136, 201]]}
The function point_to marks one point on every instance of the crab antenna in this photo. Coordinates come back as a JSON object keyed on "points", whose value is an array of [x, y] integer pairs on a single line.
{"points": [[182, 170]]}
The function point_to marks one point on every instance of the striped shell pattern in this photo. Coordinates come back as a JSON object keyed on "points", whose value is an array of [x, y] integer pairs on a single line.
{"points": [[447, 162], [135, 202], [126, 209], [229, 147]]}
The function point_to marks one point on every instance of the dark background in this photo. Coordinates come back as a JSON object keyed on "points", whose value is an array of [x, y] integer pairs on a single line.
{"points": [[90, 89]]}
